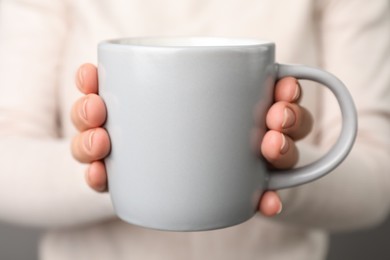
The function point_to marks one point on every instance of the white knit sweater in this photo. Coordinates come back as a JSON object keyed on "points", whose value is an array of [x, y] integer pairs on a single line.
{"points": [[42, 42]]}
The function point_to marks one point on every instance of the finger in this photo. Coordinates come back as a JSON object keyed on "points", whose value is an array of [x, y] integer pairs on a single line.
{"points": [[290, 119], [86, 79], [270, 204], [279, 150], [96, 176], [91, 145], [88, 112], [287, 89]]}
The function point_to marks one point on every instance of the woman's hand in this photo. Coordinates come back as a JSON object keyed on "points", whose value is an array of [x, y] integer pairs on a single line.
{"points": [[286, 121]]}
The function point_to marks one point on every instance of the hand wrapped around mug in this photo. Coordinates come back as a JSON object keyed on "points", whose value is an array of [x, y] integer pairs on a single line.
{"points": [[286, 120]]}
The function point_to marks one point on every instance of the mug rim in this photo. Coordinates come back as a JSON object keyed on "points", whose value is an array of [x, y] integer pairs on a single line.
{"points": [[187, 42]]}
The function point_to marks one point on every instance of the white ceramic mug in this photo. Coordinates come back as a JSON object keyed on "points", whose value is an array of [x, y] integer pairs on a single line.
{"points": [[181, 119]]}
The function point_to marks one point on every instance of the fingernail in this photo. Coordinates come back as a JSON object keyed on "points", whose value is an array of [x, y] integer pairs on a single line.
{"points": [[280, 209], [80, 77], [88, 141], [284, 147], [288, 118], [89, 179], [101, 188], [83, 111], [297, 92]]}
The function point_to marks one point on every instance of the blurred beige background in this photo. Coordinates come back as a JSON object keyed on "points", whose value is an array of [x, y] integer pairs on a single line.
{"points": [[17, 243]]}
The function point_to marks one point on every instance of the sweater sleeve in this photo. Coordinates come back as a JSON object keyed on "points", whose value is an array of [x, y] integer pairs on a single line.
{"points": [[355, 46], [40, 183]]}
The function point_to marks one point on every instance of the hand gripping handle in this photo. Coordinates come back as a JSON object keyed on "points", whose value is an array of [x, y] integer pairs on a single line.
{"points": [[279, 179]]}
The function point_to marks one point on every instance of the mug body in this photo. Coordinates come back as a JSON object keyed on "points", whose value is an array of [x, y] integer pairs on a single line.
{"points": [[185, 119]]}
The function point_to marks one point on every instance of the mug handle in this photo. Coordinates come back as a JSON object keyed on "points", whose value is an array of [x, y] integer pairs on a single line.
{"points": [[280, 179]]}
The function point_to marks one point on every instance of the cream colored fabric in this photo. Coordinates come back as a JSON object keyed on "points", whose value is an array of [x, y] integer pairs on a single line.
{"points": [[42, 42]]}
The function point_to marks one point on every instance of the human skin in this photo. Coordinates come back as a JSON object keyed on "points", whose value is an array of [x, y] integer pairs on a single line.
{"points": [[286, 120]]}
